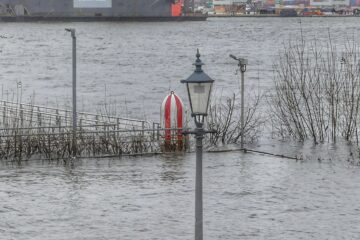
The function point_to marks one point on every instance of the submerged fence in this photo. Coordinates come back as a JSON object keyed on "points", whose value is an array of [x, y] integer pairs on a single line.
{"points": [[28, 131]]}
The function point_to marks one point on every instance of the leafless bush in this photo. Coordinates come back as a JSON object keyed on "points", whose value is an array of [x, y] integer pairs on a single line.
{"points": [[224, 117], [317, 91], [30, 131], [58, 145]]}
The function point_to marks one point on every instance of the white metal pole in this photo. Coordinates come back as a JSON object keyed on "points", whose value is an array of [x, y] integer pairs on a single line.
{"points": [[242, 106], [74, 93], [74, 111]]}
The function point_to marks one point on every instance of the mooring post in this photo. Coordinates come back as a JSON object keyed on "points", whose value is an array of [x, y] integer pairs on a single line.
{"points": [[74, 122], [57, 117], [158, 132], [66, 119], [39, 118], [96, 122], [59, 124], [4, 114], [81, 124], [143, 129], [153, 132], [117, 127]]}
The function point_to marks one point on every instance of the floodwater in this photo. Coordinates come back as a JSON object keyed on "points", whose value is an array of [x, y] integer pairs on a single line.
{"points": [[246, 196], [134, 65], [131, 66]]}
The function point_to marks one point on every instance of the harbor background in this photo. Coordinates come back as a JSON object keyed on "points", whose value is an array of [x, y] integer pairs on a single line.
{"points": [[131, 67]]}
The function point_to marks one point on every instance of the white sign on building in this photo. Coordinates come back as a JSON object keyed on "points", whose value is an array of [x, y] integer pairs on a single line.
{"points": [[329, 3], [92, 3], [228, 2], [341, 2]]}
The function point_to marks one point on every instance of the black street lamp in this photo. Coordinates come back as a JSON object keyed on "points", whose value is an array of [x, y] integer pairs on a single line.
{"points": [[199, 87]]}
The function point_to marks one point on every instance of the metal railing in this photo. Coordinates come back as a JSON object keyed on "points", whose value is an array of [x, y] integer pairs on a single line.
{"points": [[15, 113], [28, 130]]}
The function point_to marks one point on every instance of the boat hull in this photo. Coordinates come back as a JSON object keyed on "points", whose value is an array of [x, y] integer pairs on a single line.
{"points": [[100, 19], [87, 8]]}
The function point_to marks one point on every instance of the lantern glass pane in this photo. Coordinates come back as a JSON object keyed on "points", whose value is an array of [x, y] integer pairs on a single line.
{"points": [[199, 96]]}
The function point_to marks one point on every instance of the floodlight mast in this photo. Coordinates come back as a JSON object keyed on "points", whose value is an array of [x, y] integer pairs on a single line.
{"points": [[242, 63], [74, 125]]}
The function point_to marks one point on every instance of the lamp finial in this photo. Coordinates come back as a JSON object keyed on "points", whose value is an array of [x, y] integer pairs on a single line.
{"points": [[198, 62]]}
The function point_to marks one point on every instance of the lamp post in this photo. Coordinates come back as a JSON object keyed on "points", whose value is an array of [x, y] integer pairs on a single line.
{"points": [[199, 87], [242, 65], [74, 125]]}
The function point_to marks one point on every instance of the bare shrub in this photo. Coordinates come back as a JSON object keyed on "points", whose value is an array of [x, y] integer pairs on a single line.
{"points": [[317, 92], [224, 117]]}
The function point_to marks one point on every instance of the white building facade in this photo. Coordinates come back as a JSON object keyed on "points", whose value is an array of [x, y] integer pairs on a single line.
{"points": [[330, 3]]}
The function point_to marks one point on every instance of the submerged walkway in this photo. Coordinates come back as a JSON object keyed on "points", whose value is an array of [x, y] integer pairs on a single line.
{"points": [[28, 131]]}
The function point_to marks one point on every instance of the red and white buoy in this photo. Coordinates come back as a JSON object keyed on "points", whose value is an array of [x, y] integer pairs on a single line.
{"points": [[172, 117]]}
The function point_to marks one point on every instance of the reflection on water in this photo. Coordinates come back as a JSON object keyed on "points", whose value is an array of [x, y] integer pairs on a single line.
{"points": [[246, 196], [172, 168]]}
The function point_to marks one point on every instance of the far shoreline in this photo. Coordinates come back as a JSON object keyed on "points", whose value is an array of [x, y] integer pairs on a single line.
{"points": [[274, 16]]}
